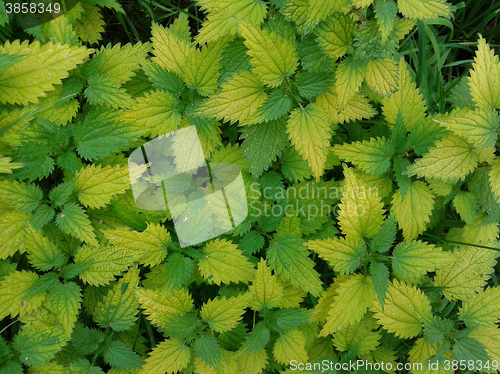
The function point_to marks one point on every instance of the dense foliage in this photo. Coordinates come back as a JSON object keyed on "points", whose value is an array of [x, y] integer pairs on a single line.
{"points": [[373, 212]]}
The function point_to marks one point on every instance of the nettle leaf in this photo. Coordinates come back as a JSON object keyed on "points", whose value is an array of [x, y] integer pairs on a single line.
{"points": [[404, 311], [413, 259], [357, 108], [172, 45], [293, 166], [207, 348], [119, 308], [336, 35], [414, 209], [60, 194], [74, 221], [256, 340], [312, 56], [201, 68], [290, 344], [21, 196], [354, 295], [289, 259], [266, 289], [223, 314], [359, 337], [38, 69], [104, 91], [379, 274], [66, 301], [494, 179], [311, 85], [349, 76], [224, 16], [96, 186], [263, 143], [484, 80], [481, 310], [101, 134], [119, 63], [273, 58], [38, 341], [90, 25], [489, 339], [361, 211], [424, 9], [450, 160], [382, 76], [406, 99], [14, 290], [237, 99], [385, 13], [160, 306], [466, 205], [371, 156], [103, 263], [223, 262], [121, 356], [309, 131], [477, 126], [344, 255], [42, 253], [170, 356], [470, 349], [468, 273], [383, 241]]}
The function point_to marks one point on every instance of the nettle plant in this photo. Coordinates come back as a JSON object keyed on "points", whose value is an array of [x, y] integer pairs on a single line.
{"points": [[402, 271]]}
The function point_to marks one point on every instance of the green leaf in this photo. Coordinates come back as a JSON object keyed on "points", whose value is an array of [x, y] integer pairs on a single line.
{"points": [[225, 15], [162, 79], [436, 328], [349, 76], [336, 34], [383, 241], [90, 26], [361, 212], [103, 263], [371, 156], [234, 59], [14, 290], [477, 126], [312, 57], [21, 196], [465, 204], [484, 80], [170, 356], [61, 193], [311, 85], [178, 271], [266, 289], [481, 310], [207, 348], [38, 70], [290, 344], [201, 68], [118, 310], [96, 186], [470, 349], [66, 300], [263, 143], [256, 339], [289, 318], [86, 340], [355, 294], [237, 99], [414, 209], [74, 221], [404, 310], [121, 356], [379, 274], [309, 132], [468, 273], [424, 9], [386, 13], [494, 179], [101, 134], [224, 263], [413, 259], [223, 314], [293, 166], [103, 91], [42, 253], [344, 255], [289, 260], [38, 341]]}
